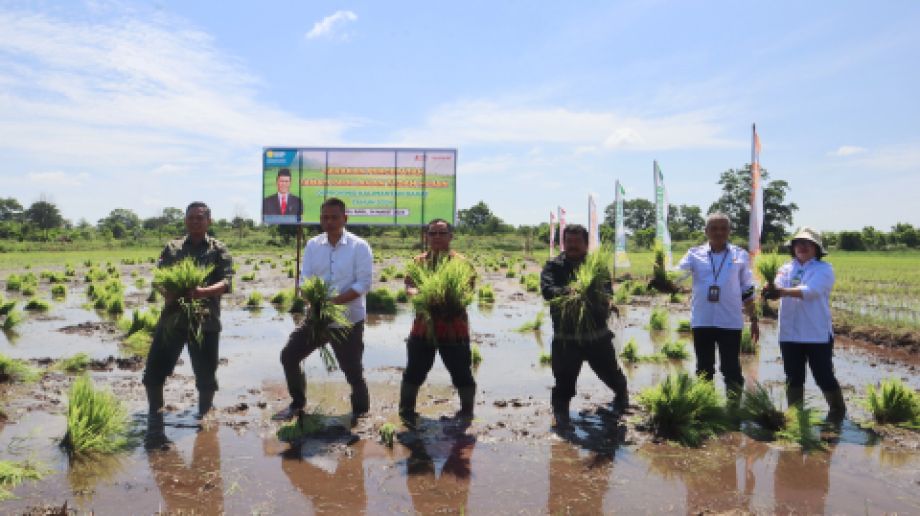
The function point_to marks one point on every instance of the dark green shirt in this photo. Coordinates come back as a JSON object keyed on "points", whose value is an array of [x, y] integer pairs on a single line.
{"points": [[209, 251]]}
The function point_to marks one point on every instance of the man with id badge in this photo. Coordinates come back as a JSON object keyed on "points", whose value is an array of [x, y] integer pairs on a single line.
{"points": [[723, 290]]}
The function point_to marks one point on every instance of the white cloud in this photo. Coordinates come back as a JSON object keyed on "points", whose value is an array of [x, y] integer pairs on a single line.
{"points": [[847, 150], [56, 178], [328, 26], [484, 121]]}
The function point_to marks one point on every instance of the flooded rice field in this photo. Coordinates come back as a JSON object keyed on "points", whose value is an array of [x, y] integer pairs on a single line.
{"points": [[509, 461]]}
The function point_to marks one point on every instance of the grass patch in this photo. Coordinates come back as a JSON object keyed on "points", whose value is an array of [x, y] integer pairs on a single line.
{"points": [[75, 364], [97, 422], [381, 301], [659, 320], [894, 403], [533, 325], [12, 474], [685, 409], [387, 434], [15, 370]]}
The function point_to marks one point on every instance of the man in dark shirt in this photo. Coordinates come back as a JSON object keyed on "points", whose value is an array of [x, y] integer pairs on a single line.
{"points": [[569, 350], [168, 341]]}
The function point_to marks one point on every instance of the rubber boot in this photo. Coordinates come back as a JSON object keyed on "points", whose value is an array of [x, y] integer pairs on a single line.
{"points": [[837, 408], [794, 395], [467, 402], [360, 400], [205, 402], [621, 395], [408, 394], [154, 399], [155, 437], [560, 411]]}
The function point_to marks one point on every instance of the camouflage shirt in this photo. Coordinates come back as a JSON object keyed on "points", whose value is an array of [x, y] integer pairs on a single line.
{"points": [[210, 251]]}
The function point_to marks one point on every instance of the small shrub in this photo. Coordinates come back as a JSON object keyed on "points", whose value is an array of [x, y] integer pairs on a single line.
{"points": [[387, 434], [658, 320], [685, 409], [381, 301], [894, 403], [96, 420], [630, 353], [475, 355]]}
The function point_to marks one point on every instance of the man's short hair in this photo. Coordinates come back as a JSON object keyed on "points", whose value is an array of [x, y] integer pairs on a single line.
{"points": [[284, 172], [198, 204], [450, 229], [577, 229], [718, 215], [333, 201]]}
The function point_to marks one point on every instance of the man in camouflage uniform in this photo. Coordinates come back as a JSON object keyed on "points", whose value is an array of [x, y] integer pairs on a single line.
{"points": [[453, 339], [168, 342]]}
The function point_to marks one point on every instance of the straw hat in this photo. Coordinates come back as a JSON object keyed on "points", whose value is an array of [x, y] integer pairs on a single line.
{"points": [[811, 235]]}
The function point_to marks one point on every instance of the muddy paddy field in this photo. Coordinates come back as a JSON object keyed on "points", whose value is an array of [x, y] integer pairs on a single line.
{"points": [[509, 461]]}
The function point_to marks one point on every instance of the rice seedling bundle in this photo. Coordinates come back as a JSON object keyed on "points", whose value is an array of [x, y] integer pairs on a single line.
{"points": [[137, 344], [486, 294], [511, 274], [799, 428], [15, 370], [444, 291], [748, 346], [283, 297], [621, 295], [13, 318], [545, 358], [58, 291], [757, 406], [305, 425], [176, 281], [767, 265], [630, 351], [675, 350], [326, 320], [37, 305], [255, 299], [381, 301], [12, 474], [475, 355], [402, 296], [894, 403], [140, 321], [13, 282], [248, 277], [658, 320], [685, 409], [387, 434], [587, 295], [683, 326], [96, 420], [27, 290], [75, 364], [532, 282], [638, 290], [6, 307]]}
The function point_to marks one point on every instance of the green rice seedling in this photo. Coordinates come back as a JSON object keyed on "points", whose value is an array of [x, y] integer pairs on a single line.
{"points": [[12, 474], [256, 267], [87, 263], [327, 320], [587, 296], [298, 305], [28, 290], [387, 433], [638, 289], [57, 277], [13, 319], [799, 428], [96, 420], [486, 294], [381, 301], [767, 264], [37, 305], [662, 280], [533, 325], [305, 425], [255, 299], [137, 344], [177, 281], [115, 304], [892, 402], [685, 409], [58, 291], [140, 283], [531, 282], [400, 274], [476, 355], [248, 261], [6, 307], [675, 298], [748, 346], [69, 271], [75, 364], [683, 326], [402, 296], [444, 291], [545, 358], [14, 370], [251, 276], [757, 406], [659, 320], [621, 295], [13, 282], [283, 298], [675, 350], [389, 270], [510, 274], [630, 353], [290, 272]]}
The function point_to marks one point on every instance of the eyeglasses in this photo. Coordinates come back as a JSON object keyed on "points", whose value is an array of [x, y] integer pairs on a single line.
{"points": [[438, 233]]}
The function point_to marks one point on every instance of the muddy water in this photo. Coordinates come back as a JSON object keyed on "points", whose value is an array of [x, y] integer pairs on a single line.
{"points": [[508, 461]]}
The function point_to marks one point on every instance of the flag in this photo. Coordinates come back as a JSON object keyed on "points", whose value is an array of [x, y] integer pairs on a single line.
{"points": [[662, 235], [561, 229], [552, 234], [594, 235], [756, 221], [621, 260]]}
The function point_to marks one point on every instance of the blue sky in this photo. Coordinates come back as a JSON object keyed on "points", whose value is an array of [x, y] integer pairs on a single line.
{"points": [[144, 105]]}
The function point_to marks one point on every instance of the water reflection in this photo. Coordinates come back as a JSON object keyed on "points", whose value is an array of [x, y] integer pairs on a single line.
{"points": [[448, 491], [577, 484], [801, 481], [197, 486], [333, 482]]}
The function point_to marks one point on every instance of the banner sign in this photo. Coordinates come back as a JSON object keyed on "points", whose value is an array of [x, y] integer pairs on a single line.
{"points": [[395, 187], [621, 260], [662, 235]]}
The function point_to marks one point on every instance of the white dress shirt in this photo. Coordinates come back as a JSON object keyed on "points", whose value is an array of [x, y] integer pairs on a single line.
{"points": [[347, 265], [734, 279], [807, 319]]}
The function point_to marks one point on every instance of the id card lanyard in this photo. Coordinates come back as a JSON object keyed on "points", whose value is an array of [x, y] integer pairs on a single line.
{"points": [[714, 289]]}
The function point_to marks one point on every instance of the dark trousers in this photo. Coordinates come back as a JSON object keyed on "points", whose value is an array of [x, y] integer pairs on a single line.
{"points": [[165, 350], [567, 358], [456, 358], [705, 341], [348, 351], [819, 358]]}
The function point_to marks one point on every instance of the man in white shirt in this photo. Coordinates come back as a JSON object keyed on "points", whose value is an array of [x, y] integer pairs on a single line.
{"points": [[723, 288], [345, 261]]}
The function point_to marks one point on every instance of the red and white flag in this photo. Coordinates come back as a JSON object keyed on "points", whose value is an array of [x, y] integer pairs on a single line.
{"points": [[552, 234], [561, 229], [756, 220]]}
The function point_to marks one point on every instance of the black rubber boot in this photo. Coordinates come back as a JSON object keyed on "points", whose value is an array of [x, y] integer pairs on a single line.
{"points": [[408, 394], [154, 399], [837, 408], [155, 437], [360, 400], [560, 410], [205, 402], [794, 396], [467, 401]]}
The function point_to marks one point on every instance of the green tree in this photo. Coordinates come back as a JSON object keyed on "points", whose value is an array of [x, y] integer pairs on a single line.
{"points": [[10, 209], [639, 214], [479, 219], [121, 222], [44, 215], [736, 203]]}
